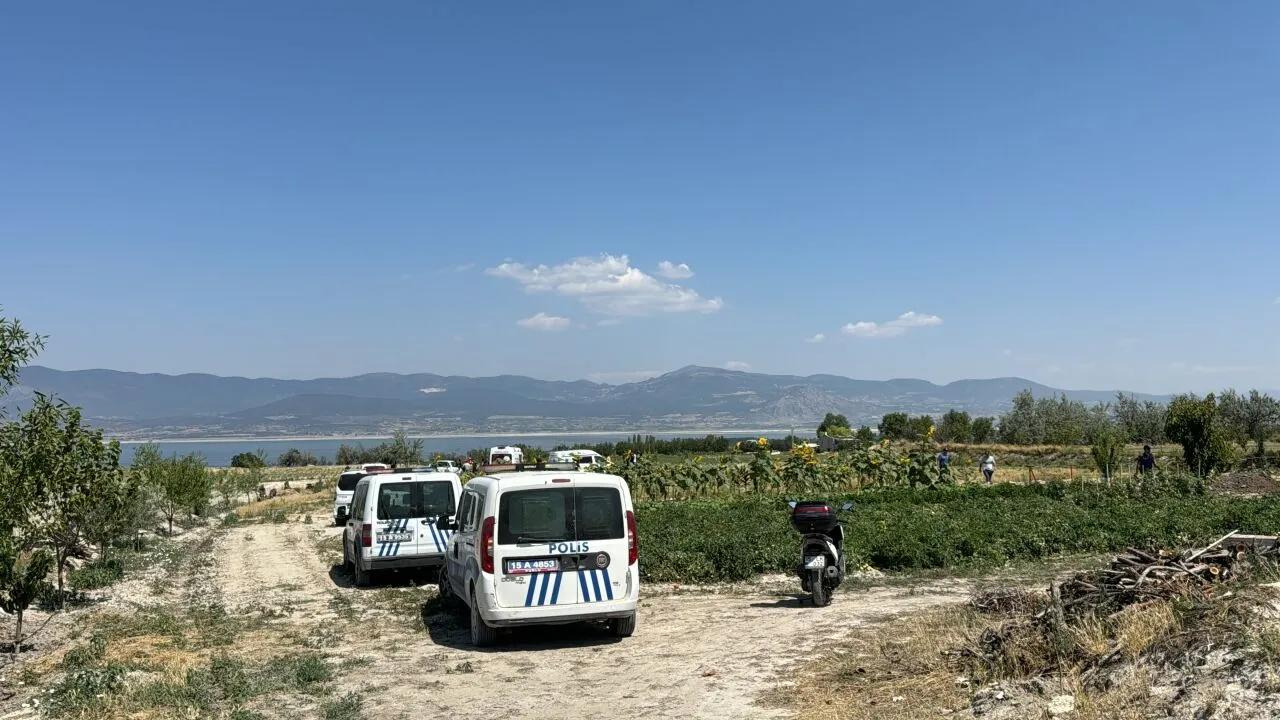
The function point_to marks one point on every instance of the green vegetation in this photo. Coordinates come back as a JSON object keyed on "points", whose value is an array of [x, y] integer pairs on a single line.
{"points": [[401, 451], [256, 459], [293, 457], [1194, 423], [948, 527]]}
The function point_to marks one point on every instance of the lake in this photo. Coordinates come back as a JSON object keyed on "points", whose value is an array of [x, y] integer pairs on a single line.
{"points": [[218, 453]]}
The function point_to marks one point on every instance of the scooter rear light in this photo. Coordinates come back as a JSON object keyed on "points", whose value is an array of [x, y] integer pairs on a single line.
{"points": [[811, 510]]}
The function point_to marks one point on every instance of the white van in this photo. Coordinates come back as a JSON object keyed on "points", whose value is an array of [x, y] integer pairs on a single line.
{"points": [[505, 455], [581, 458], [544, 548], [393, 522], [347, 487]]}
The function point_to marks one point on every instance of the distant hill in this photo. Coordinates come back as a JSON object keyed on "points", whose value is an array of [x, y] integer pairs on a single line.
{"points": [[693, 398]]}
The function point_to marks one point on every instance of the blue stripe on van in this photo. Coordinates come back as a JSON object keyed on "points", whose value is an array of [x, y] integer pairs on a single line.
{"points": [[595, 582], [533, 585], [555, 592], [582, 582], [608, 587], [542, 596]]}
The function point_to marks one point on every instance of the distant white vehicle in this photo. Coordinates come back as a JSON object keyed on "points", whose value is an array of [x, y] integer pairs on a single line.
{"points": [[506, 455], [581, 458], [347, 487], [447, 466]]}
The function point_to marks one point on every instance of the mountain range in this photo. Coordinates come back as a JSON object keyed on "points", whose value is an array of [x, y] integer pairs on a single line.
{"points": [[693, 398]]}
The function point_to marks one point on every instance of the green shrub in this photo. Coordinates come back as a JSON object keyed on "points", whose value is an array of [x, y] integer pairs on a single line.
{"points": [[96, 575], [81, 692], [346, 707]]}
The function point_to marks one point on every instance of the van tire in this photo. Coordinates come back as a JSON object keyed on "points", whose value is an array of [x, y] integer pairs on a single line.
{"points": [[481, 634], [623, 627], [346, 559], [447, 598], [361, 576]]}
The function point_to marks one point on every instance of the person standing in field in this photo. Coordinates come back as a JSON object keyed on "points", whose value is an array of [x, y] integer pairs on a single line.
{"points": [[1146, 461], [944, 464], [988, 466]]}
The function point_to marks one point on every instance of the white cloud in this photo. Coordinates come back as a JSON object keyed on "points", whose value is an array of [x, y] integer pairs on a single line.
{"points": [[893, 328], [672, 271], [816, 338], [608, 285], [737, 365], [431, 390], [623, 376], [543, 321]]}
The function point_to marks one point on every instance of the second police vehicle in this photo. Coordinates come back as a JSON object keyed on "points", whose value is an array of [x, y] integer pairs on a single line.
{"points": [[393, 522]]}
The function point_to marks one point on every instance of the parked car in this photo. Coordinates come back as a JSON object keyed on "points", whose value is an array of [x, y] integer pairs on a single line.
{"points": [[347, 486], [447, 466], [506, 455], [393, 522], [544, 548]]}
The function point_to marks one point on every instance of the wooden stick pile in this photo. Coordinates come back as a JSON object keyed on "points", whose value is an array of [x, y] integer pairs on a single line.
{"points": [[1136, 575]]}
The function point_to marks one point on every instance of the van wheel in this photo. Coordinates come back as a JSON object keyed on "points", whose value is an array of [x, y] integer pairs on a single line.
{"points": [[623, 627], [361, 575], [447, 598], [346, 559], [481, 634]]}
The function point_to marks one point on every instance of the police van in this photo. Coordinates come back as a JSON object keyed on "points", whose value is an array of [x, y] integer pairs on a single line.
{"points": [[393, 522], [347, 487], [544, 547]]}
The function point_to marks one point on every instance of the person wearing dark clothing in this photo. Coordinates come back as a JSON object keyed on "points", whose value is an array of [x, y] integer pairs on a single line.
{"points": [[1146, 461]]}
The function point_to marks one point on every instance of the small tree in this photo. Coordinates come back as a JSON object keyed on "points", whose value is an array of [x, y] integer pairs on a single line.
{"points": [[865, 434], [1106, 445], [895, 426], [293, 457], [1193, 423], [247, 483], [249, 460], [983, 430], [22, 578], [404, 451], [1249, 418], [180, 483], [17, 347], [956, 426], [835, 425]]}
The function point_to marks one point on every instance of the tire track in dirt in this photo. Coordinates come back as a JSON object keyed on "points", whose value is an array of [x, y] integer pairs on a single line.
{"points": [[274, 565]]}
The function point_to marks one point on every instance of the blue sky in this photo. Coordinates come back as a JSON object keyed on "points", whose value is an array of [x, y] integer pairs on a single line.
{"points": [[1084, 194]]}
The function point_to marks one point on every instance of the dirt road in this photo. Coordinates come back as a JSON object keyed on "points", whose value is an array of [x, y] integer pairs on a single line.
{"points": [[695, 654]]}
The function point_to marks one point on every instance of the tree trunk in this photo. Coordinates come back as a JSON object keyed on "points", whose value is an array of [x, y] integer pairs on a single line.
{"points": [[170, 526], [61, 556], [17, 635], [1262, 449]]}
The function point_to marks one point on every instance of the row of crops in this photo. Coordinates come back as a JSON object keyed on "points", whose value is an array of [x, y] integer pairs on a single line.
{"points": [[800, 471]]}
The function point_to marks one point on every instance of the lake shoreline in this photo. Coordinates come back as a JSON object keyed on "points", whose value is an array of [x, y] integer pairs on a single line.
{"points": [[449, 436]]}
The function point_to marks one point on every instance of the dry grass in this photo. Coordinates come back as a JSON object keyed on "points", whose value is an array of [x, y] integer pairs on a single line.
{"points": [[291, 503], [895, 671]]}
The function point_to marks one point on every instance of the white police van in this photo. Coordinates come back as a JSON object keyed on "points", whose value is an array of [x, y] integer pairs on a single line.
{"points": [[393, 519], [544, 547], [347, 487]]}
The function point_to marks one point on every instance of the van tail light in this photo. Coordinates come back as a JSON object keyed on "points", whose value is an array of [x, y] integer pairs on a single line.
{"points": [[486, 546], [366, 535], [633, 539]]}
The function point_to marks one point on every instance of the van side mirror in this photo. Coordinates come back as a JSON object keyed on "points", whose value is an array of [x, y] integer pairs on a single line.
{"points": [[444, 522]]}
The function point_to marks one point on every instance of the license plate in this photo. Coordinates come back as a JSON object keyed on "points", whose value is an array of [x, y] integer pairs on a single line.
{"points": [[533, 565], [817, 562], [395, 537]]}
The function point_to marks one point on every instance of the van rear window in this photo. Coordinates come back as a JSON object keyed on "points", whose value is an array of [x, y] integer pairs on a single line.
{"points": [[399, 500], [547, 514], [348, 482]]}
